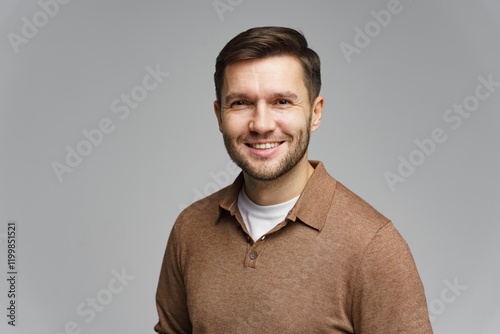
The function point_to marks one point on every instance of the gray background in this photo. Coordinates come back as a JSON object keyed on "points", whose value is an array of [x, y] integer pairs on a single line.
{"points": [[114, 211]]}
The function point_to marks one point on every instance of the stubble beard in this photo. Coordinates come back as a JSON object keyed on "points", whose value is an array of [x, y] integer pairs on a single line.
{"points": [[260, 170]]}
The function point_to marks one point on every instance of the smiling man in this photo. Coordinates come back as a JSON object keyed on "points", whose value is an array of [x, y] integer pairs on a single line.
{"points": [[286, 248], [266, 118]]}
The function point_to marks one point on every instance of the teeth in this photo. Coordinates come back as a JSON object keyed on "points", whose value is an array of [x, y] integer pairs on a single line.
{"points": [[265, 146]]}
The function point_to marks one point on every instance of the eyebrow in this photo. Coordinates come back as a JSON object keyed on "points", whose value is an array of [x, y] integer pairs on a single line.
{"points": [[286, 94], [279, 95], [234, 96]]}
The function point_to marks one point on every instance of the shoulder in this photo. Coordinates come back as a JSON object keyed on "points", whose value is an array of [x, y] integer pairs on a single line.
{"points": [[355, 212], [359, 229], [200, 213]]}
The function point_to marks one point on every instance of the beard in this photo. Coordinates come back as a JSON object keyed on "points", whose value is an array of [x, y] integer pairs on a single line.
{"points": [[262, 169]]}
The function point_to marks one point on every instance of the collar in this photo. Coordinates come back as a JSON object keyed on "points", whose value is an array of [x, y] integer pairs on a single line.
{"points": [[312, 206]]}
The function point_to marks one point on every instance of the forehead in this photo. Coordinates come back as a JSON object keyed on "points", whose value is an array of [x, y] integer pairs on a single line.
{"points": [[264, 74]]}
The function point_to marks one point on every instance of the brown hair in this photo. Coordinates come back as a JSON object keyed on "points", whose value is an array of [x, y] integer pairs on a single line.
{"points": [[263, 42]]}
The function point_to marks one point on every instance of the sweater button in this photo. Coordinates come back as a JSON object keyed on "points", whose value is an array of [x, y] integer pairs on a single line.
{"points": [[253, 255]]}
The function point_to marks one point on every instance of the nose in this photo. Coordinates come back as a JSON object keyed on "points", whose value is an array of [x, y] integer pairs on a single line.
{"points": [[263, 119]]}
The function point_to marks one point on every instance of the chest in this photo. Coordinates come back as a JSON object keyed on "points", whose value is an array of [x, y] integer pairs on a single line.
{"points": [[293, 281]]}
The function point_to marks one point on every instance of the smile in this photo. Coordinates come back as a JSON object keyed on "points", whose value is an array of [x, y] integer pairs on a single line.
{"points": [[264, 146]]}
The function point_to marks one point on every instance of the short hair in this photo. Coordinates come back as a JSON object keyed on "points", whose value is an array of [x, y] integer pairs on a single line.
{"points": [[264, 42]]}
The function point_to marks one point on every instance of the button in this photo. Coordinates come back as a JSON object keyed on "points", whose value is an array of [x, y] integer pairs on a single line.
{"points": [[253, 255]]}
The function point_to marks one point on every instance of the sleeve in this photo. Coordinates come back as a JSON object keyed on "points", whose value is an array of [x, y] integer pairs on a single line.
{"points": [[388, 294], [171, 292]]}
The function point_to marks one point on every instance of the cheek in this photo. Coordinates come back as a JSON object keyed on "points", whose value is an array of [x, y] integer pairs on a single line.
{"points": [[234, 126], [294, 123]]}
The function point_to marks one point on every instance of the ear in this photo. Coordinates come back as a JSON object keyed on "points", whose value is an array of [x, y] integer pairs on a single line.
{"points": [[218, 112], [317, 112]]}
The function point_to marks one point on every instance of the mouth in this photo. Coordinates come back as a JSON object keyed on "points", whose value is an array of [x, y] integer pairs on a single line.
{"points": [[263, 146]]}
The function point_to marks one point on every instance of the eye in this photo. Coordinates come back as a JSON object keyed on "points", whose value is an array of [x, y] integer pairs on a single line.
{"points": [[282, 102], [238, 103]]}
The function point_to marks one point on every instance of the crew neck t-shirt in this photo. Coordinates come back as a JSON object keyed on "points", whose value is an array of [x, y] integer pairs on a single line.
{"points": [[260, 219]]}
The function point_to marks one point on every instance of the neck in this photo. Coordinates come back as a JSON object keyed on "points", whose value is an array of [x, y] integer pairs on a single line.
{"points": [[282, 189]]}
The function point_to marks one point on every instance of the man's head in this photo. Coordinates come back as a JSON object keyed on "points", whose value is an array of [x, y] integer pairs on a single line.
{"points": [[264, 42], [268, 101]]}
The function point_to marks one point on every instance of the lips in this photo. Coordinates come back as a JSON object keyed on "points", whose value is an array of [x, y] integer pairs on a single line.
{"points": [[264, 149]]}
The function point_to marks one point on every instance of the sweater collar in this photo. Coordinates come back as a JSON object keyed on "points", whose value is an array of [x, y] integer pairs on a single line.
{"points": [[312, 206]]}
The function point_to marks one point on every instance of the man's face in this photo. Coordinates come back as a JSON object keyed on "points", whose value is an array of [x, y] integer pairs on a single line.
{"points": [[266, 117]]}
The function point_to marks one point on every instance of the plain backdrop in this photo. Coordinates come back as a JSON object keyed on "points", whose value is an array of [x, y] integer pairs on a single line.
{"points": [[68, 69]]}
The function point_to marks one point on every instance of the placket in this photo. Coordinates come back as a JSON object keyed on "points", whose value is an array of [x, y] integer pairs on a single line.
{"points": [[254, 251]]}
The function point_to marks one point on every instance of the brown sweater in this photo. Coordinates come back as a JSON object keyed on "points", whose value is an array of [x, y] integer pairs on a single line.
{"points": [[334, 265]]}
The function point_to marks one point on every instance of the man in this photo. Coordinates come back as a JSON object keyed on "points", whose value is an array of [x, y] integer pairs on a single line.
{"points": [[286, 248]]}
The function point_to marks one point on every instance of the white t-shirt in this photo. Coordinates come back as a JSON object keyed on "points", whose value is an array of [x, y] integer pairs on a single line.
{"points": [[261, 219]]}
